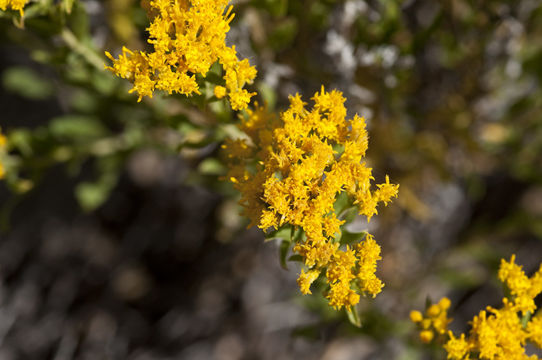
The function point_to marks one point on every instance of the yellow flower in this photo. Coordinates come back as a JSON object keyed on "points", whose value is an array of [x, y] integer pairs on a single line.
{"points": [[434, 321], [416, 316], [306, 279], [496, 334], [444, 304], [534, 330], [188, 37], [426, 336], [220, 91], [457, 348], [297, 166], [16, 5], [341, 295], [433, 311], [523, 289], [368, 253]]}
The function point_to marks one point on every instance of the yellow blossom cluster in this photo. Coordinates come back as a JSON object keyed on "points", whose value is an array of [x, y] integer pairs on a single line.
{"points": [[188, 36], [501, 334], [3, 143], [435, 320], [290, 170], [522, 288], [16, 5]]}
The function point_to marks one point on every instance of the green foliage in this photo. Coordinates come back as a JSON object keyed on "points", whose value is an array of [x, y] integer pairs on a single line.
{"points": [[26, 83]]}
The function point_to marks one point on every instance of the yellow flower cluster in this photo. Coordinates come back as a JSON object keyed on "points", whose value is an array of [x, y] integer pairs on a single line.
{"points": [[434, 321], [501, 334], [3, 143], [290, 171], [522, 288], [16, 5], [188, 36]]}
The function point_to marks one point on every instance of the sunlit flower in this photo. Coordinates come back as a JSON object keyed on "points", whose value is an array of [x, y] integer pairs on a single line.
{"points": [[435, 320], [523, 289], [306, 279], [457, 348], [290, 170], [534, 330], [188, 36], [496, 334]]}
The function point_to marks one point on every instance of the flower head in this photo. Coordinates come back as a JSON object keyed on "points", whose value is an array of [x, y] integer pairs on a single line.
{"points": [[188, 36], [496, 334], [290, 170], [435, 320], [457, 348], [522, 288]]}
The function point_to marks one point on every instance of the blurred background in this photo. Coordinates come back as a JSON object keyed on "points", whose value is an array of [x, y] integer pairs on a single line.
{"points": [[118, 241]]}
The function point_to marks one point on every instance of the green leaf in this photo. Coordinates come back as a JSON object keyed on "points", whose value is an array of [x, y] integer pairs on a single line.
{"points": [[341, 203], [348, 214], [92, 195], [283, 252], [77, 127], [525, 319], [353, 316], [79, 21], [351, 238], [268, 95], [298, 234], [283, 233], [21, 139], [67, 5], [214, 78], [84, 101], [211, 166], [297, 258], [181, 123], [26, 83]]}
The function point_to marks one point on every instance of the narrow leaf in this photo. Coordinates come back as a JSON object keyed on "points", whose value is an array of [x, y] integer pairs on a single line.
{"points": [[284, 233], [283, 252], [353, 316], [352, 238]]}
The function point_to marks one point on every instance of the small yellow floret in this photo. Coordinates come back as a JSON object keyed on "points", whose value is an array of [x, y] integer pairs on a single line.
{"points": [[433, 310], [444, 304], [306, 279], [457, 348], [220, 91], [426, 336], [416, 316], [522, 288], [534, 330]]}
